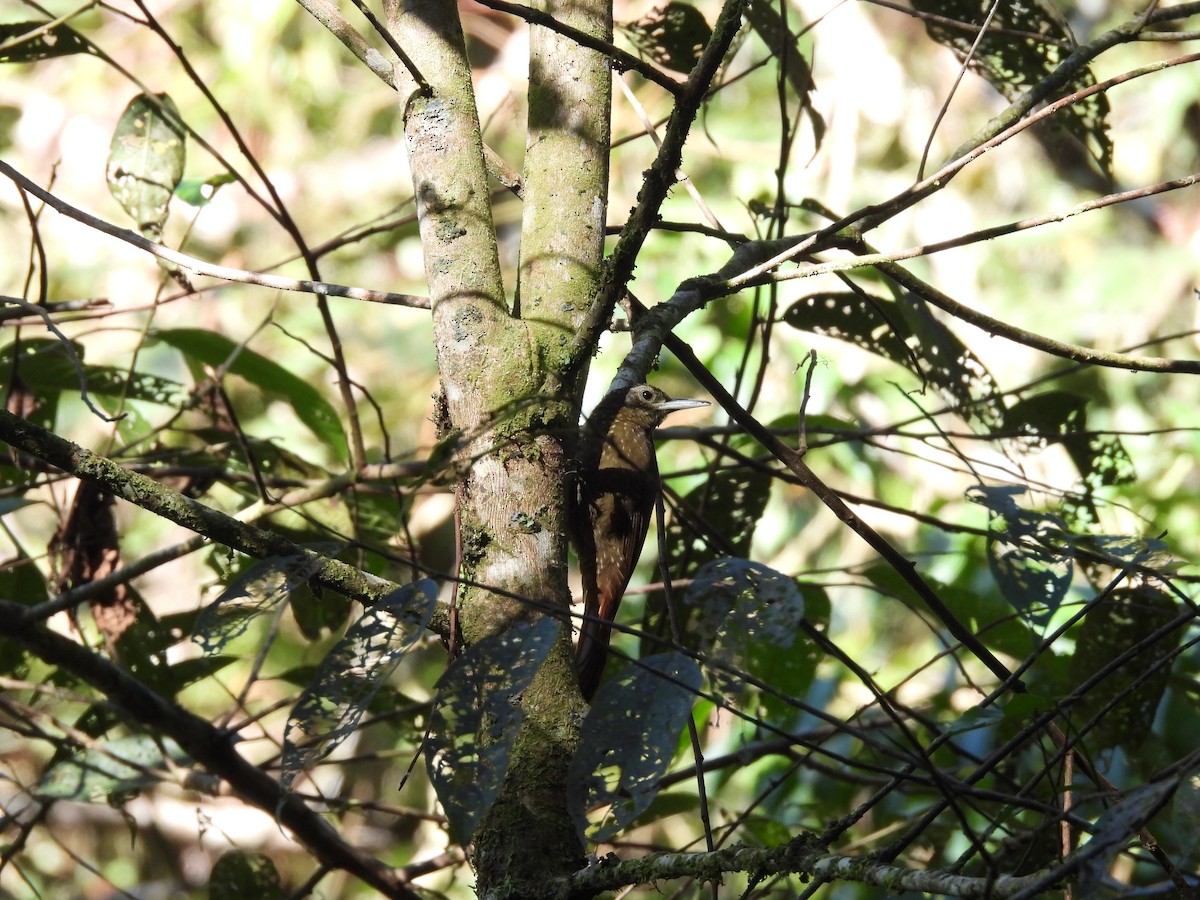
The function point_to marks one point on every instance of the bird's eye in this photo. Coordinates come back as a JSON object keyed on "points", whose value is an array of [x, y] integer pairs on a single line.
{"points": [[647, 394]]}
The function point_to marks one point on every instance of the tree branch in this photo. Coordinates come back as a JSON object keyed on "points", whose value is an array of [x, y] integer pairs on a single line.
{"points": [[199, 266], [209, 746]]}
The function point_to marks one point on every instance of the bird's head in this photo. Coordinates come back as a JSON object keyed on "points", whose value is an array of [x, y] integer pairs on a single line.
{"points": [[648, 406]]}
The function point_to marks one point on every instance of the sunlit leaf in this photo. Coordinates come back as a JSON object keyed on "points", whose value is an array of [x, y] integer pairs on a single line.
{"points": [[1025, 43], [276, 380], [908, 334], [145, 162], [22, 42], [200, 191], [260, 589]]}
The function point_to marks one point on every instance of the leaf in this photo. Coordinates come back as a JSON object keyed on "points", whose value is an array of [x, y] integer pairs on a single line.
{"points": [[764, 17], [1115, 828], [199, 192], [145, 161], [628, 740], [908, 334], [45, 367], [1185, 807], [110, 772], [477, 717], [331, 707], [1061, 417], [238, 874], [216, 350], [259, 589], [748, 619], [1028, 553], [673, 35], [1127, 699], [61, 40], [1013, 63], [727, 507]]}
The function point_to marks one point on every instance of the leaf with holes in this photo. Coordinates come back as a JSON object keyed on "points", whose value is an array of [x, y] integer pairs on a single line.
{"points": [[477, 717], [908, 334], [258, 590], [1024, 44], [1029, 553], [717, 518], [1060, 417], [673, 35], [750, 619], [351, 674], [145, 162], [1121, 707], [23, 42], [628, 740]]}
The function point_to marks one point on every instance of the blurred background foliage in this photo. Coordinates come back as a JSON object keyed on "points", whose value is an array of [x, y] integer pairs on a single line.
{"points": [[328, 135]]}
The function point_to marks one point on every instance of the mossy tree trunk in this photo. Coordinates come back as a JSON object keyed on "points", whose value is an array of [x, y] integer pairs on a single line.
{"points": [[511, 377]]}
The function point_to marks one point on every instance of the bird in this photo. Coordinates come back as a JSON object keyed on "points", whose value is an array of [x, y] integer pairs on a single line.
{"points": [[616, 486]]}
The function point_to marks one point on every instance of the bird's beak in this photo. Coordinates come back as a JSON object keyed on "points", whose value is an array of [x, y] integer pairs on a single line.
{"points": [[669, 406]]}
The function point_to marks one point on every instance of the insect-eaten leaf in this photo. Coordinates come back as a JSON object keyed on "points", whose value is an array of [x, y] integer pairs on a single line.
{"points": [[673, 35], [730, 504], [31, 41], [749, 619], [628, 740], [145, 162], [476, 719], [259, 589], [352, 672], [1121, 707], [1013, 65], [238, 874], [111, 771], [1029, 553], [907, 333]]}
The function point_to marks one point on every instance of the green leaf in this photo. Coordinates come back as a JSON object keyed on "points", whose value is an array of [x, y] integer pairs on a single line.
{"points": [[61, 40], [146, 159], [110, 772], [200, 191], [350, 675], [258, 590], [1013, 65], [1028, 552], [727, 507], [238, 875], [212, 349], [673, 35], [749, 619], [765, 19], [628, 740], [475, 723], [908, 334], [1122, 706], [1061, 417]]}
